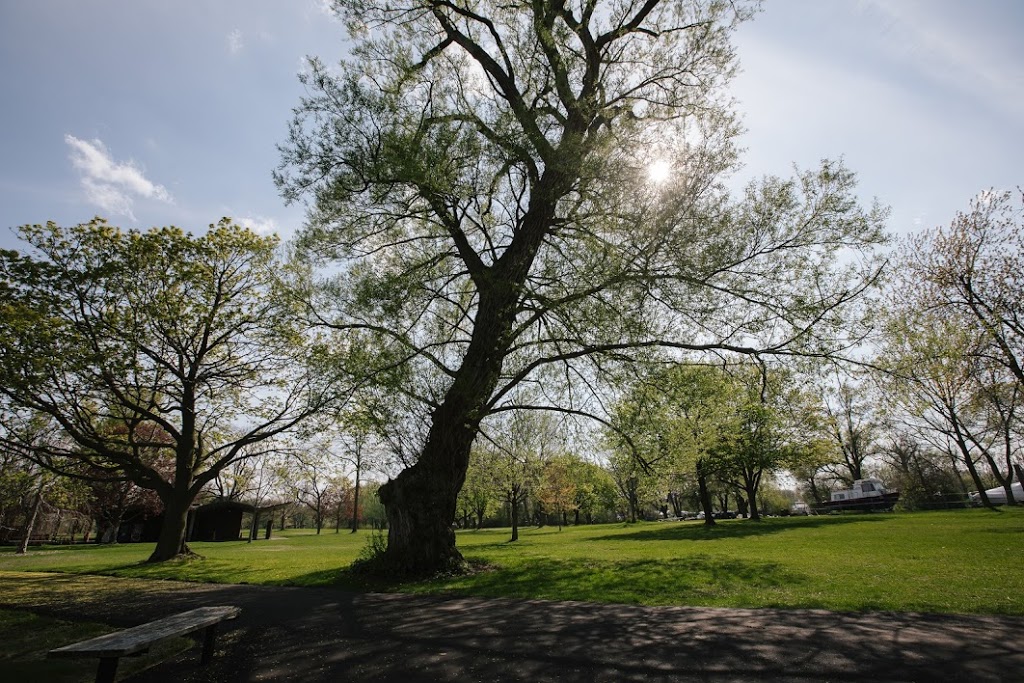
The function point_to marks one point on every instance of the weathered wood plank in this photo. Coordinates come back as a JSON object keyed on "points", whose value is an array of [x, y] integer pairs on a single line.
{"points": [[139, 638]]}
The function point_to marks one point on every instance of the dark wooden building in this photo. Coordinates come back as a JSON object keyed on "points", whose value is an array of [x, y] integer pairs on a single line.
{"points": [[218, 520]]}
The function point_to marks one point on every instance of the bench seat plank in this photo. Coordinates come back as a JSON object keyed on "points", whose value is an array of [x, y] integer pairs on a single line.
{"points": [[140, 638]]}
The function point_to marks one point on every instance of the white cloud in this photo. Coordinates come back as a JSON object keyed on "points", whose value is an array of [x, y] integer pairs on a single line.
{"points": [[113, 186], [258, 224], [325, 8], [235, 42]]}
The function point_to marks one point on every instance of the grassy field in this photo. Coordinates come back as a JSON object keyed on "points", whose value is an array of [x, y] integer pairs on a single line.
{"points": [[965, 561]]}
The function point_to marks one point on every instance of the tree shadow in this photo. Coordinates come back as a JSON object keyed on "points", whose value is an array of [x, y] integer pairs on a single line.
{"points": [[326, 634], [691, 580], [730, 529], [10, 550]]}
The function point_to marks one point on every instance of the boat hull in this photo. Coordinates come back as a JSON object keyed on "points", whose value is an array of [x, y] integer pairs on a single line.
{"points": [[884, 502]]}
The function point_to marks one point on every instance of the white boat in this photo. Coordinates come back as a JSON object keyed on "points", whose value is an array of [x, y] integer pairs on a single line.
{"points": [[997, 496], [866, 494]]}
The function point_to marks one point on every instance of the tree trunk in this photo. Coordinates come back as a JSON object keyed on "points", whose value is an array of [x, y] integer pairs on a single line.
{"points": [[254, 528], [751, 483], [1005, 481], [675, 500], [171, 542], [705, 495], [420, 505], [55, 534], [741, 504], [514, 514], [421, 502], [355, 503], [30, 525], [977, 482], [965, 452], [956, 471]]}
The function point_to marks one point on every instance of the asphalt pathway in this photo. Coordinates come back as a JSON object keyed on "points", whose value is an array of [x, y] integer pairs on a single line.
{"points": [[317, 634]]}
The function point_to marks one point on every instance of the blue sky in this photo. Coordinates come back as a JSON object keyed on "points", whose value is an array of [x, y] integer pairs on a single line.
{"points": [[156, 113]]}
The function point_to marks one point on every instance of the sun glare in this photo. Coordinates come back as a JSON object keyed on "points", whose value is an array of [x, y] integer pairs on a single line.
{"points": [[659, 171]]}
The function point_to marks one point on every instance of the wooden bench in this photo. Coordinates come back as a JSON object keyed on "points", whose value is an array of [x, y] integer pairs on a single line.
{"points": [[136, 640]]}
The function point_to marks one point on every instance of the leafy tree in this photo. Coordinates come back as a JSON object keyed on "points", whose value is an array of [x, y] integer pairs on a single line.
{"points": [[969, 274], [479, 490], [478, 179], [679, 418], [112, 498], [636, 483], [314, 481], [920, 473], [128, 344], [357, 427], [517, 446], [772, 500], [848, 420], [17, 481], [595, 490], [974, 269], [341, 501], [932, 361], [557, 488], [761, 443]]}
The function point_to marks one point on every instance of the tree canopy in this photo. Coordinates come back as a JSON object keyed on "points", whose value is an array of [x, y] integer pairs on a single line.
{"points": [[477, 174], [156, 356]]}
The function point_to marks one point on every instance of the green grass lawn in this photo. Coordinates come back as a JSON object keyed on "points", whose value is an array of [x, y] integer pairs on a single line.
{"points": [[964, 561]]}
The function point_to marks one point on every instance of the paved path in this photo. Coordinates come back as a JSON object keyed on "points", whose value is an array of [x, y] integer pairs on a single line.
{"points": [[314, 634]]}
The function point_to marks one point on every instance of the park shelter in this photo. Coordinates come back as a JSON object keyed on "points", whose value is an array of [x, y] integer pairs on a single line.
{"points": [[138, 525], [218, 520], [221, 519]]}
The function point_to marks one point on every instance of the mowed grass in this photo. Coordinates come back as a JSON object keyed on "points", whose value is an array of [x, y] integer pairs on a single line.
{"points": [[964, 561]]}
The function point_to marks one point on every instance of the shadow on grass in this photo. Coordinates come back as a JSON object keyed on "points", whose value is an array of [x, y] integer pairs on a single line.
{"points": [[11, 550], [696, 531], [692, 580]]}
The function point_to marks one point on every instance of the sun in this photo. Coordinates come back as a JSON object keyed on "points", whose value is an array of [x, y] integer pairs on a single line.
{"points": [[659, 171]]}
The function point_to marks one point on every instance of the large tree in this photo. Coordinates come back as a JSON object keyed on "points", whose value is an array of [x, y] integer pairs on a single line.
{"points": [[478, 175], [933, 362], [771, 428], [974, 269], [515, 448], [160, 357]]}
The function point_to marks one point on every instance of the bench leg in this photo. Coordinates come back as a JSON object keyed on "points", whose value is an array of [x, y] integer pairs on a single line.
{"points": [[208, 642], [107, 670]]}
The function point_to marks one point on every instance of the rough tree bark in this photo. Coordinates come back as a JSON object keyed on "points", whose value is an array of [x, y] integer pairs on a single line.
{"points": [[171, 542]]}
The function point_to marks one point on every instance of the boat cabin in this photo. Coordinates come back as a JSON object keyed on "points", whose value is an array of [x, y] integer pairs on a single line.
{"points": [[862, 488]]}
